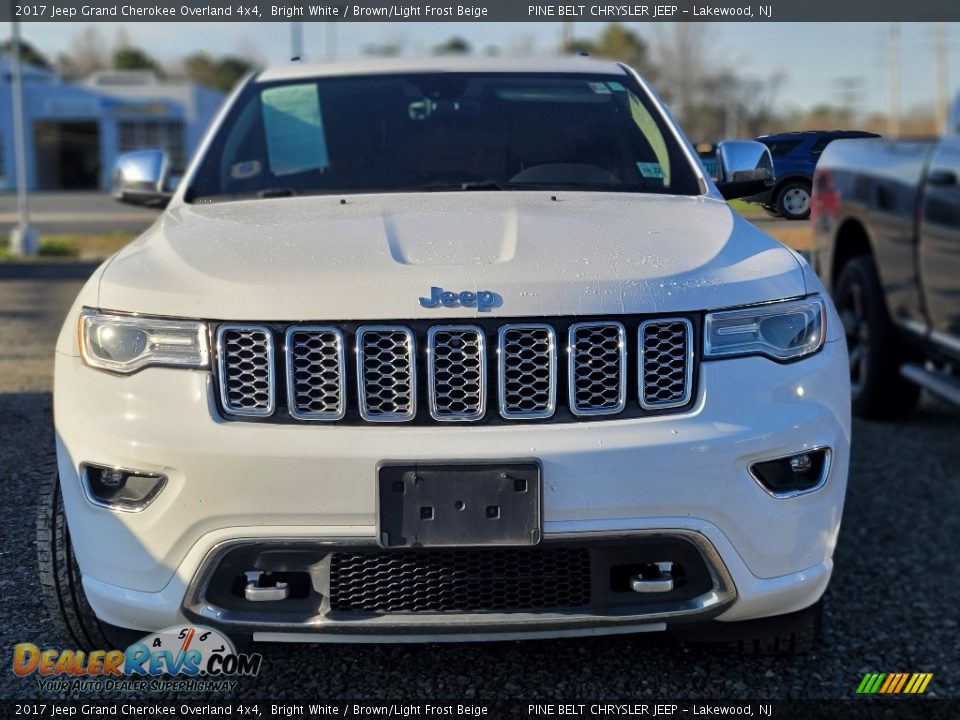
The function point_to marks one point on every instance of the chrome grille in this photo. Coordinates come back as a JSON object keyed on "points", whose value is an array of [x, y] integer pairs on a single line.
{"points": [[597, 368], [370, 373], [315, 372], [387, 373], [245, 364], [527, 376], [666, 363], [457, 369]]}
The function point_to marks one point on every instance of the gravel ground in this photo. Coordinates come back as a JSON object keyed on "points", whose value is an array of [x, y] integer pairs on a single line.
{"points": [[891, 605]]}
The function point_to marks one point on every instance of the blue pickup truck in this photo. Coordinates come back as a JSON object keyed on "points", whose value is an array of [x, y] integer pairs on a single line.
{"points": [[795, 156]]}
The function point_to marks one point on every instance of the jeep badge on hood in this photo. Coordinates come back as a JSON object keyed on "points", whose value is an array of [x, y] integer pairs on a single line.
{"points": [[482, 300]]}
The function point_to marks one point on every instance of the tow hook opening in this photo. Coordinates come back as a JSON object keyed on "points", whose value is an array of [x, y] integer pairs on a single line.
{"points": [[650, 577], [260, 586]]}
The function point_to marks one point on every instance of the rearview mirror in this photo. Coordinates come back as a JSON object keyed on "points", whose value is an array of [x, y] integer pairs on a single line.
{"points": [[744, 168], [143, 178]]}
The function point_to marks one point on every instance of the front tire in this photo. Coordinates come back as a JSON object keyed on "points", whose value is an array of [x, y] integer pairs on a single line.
{"points": [[60, 581], [876, 353], [793, 200]]}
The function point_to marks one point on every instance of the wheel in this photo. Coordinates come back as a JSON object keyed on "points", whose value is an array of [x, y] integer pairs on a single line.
{"points": [[876, 353], [793, 200], [60, 585], [792, 634]]}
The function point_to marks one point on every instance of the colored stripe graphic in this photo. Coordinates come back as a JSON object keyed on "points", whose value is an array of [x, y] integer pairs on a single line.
{"points": [[894, 683]]}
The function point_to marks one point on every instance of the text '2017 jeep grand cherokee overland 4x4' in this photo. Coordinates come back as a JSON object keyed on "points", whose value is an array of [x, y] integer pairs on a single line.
{"points": [[471, 351]]}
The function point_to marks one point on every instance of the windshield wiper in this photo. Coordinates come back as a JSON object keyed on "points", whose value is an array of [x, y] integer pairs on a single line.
{"points": [[274, 192], [482, 185]]}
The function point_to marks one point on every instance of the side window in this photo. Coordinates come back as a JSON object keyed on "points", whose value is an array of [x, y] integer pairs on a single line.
{"points": [[779, 148], [820, 145]]}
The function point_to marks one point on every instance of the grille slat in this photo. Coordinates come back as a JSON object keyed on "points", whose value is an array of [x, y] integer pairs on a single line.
{"points": [[457, 369], [386, 373], [461, 580], [599, 373], [597, 368], [315, 372], [245, 363], [527, 378], [666, 363]]}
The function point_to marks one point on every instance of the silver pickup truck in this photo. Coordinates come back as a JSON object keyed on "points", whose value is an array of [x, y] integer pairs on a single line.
{"points": [[887, 221]]}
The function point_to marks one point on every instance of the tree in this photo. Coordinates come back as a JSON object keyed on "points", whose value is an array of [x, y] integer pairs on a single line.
{"points": [[29, 55], [131, 58], [218, 73], [683, 61], [452, 46], [617, 42], [87, 55], [620, 43], [383, 49]]}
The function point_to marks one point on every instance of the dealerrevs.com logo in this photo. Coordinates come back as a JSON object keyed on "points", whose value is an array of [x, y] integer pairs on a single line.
{"points": [[187, 657]]}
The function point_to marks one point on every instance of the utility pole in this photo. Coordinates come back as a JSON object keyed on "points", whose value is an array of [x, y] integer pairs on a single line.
{"points": [[296, 41], [850, 93], [567, 38], [893, 66], [331, 41], [940, 58], [23, 239]]}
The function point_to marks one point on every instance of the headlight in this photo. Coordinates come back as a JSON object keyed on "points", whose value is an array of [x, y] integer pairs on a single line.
{"points": [[127, 343], [780, 330]]}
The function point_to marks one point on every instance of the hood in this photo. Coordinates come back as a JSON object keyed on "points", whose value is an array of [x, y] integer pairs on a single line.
{"points": [[374, 256]]}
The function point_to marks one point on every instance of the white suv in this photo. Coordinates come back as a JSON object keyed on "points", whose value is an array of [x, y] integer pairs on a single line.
{"points": [[447, 351]]}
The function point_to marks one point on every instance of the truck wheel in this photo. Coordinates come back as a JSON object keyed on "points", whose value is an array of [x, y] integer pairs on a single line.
{"points": [[877, 389], [792, 634], [793, 200], [60, 585]]}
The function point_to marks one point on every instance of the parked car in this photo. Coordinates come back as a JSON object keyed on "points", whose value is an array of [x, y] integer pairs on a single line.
{"points": [[707, 152], [887, 223], [795, 155], [448, 350]]}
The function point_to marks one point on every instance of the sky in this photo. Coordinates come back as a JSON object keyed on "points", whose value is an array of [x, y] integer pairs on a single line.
{"points": [[812, 58]]}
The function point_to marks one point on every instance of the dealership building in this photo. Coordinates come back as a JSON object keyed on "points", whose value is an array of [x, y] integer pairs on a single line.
{"points": [[75, 131]]}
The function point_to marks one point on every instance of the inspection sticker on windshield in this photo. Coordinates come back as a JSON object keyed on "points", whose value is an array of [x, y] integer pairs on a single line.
{"points": [[650, 169], [245, 170], [599, 88], [294, 129]]}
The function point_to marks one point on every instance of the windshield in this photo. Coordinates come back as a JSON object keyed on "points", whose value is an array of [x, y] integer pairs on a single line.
{"points": [[436, 132]]}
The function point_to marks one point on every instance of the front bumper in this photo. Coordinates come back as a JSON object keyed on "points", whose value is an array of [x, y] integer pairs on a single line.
{"points": [[676, 474]]}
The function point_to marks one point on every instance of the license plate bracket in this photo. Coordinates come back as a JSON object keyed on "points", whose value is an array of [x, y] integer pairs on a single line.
{"points": [[457, 505]]}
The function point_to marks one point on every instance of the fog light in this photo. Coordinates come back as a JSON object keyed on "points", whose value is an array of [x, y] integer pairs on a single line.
{"points": [[112, 478], [793, 475], [119, 488], [801, 463]]}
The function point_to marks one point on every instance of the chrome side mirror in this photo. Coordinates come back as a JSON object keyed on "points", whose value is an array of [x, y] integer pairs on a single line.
{"points": [[744, 168], [143, 178]]}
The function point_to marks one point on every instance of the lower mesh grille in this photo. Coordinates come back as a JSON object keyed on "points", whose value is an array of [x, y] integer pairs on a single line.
{"points": [[461, 580]]}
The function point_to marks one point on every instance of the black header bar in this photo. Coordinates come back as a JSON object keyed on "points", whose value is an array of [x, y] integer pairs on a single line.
{"points": [[915, 708], [648, 11]]}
